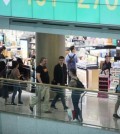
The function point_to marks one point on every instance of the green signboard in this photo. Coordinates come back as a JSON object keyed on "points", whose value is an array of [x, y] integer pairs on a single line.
{"points": [[85, 11]]}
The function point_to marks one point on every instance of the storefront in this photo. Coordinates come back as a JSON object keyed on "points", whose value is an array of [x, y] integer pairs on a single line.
{"points": [[18, 44], [91, 53], [80, 18]]}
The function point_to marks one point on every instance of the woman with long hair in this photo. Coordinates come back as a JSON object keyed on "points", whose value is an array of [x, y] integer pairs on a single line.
{"points": [[75, 82]]}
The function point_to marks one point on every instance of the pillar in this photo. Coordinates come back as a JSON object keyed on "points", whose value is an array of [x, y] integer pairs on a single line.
{"points": [[50, 46]]}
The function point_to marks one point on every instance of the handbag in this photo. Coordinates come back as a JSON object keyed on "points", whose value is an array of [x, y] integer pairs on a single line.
{"points": [[118, 111]]}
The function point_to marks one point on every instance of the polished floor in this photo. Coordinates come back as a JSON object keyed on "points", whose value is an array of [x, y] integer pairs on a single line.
{"points": [[97, 112]]}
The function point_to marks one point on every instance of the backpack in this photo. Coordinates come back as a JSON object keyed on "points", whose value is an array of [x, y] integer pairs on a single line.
{"points": [[79, 85], [71, 58]]}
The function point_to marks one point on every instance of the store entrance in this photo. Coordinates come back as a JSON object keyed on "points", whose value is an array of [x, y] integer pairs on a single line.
{"points": [[91, 52], [20, 46]]}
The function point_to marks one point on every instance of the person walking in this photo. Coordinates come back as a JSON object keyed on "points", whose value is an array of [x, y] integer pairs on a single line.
{"points": [[60, 78], [15, 74], [42, 76], [75, 82]]}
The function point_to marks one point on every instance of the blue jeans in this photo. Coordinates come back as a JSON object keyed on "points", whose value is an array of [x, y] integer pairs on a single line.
{"points": [[75, 100], [16, 88]]}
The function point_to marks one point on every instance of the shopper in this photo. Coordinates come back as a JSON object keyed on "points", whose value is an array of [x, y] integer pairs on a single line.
{"points": [[42, 91], [106, 65], [75, 82], [15, 74], [71, 60], [24, 70], [60, 78], [118, 101]]}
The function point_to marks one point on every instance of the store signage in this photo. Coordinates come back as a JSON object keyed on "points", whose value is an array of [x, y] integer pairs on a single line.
{"points": [[6, 2], [86, 11]]}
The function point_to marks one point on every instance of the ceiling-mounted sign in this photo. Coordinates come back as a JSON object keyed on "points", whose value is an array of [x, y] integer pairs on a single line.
{"points": [[86, 11], [6, 2]]}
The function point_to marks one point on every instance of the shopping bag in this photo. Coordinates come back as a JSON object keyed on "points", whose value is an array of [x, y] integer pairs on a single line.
{"points": [[69, 103], [69, 113], [118, 111]]}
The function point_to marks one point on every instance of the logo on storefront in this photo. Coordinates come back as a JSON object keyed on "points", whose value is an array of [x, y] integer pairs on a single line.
{"points": [[6, 2]]}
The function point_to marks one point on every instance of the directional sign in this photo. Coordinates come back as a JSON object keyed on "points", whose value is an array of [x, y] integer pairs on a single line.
{"points": [[85, 11]]}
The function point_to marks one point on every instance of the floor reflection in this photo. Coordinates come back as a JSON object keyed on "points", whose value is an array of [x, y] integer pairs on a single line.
{"points": [[96, 111]]}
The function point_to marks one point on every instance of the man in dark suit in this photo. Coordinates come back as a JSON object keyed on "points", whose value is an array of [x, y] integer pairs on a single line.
{"points": [[60, 78]]}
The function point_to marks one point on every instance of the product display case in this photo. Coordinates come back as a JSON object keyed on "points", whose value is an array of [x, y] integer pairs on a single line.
{"points": [[103, 85], [114, 78], [32, 47]]}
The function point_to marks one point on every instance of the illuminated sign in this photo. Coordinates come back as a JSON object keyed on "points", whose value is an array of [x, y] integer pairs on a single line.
{"points": [[86, 11]]}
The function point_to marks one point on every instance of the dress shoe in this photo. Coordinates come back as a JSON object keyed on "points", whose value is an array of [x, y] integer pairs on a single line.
{"points": [[12, 103], [54, 107]]}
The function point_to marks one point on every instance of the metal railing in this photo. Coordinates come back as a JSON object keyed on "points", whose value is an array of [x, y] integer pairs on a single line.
{"points": [[95, 111]]}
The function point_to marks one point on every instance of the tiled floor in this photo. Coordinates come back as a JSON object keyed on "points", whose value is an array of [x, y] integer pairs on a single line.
{"points": [[96, 111]]}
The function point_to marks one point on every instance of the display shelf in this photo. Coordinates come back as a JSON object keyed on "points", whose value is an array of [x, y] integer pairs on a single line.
{"points": [[103, 85], [32, 47], [103, 81], [115, 72], [103, 89]]}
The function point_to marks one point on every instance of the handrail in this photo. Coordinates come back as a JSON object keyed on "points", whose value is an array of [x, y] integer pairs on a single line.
{"points": [[58, 86], [39, 106]]}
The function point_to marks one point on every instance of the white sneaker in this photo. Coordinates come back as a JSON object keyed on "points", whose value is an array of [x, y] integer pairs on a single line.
{"points": [[75, 120]]}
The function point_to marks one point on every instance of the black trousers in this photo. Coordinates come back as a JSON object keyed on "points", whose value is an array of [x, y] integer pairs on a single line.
{"points": [[59, 94]]}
